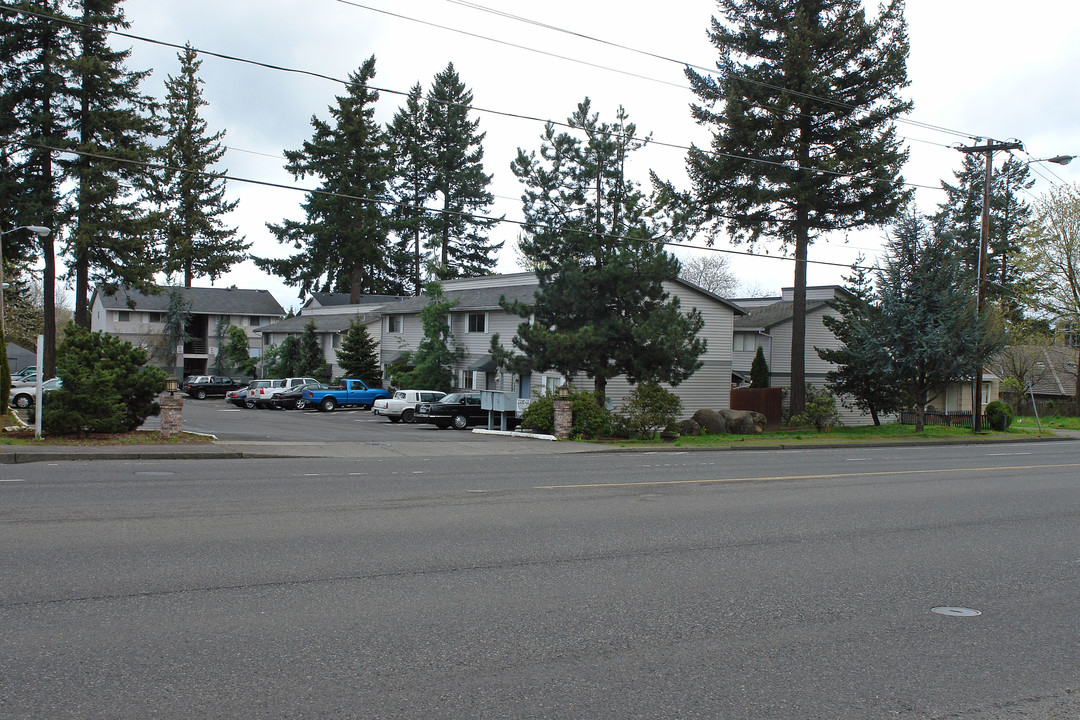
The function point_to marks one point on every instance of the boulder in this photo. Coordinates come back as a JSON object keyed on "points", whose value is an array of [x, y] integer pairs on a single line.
{"points": [[689, 427], [744, 422], [710, 421]]}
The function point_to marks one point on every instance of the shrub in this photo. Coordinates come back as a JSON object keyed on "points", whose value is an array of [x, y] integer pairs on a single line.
{"points": [[106, 385], [590, 419], [998, 415], [648, 408], [820, 410]]}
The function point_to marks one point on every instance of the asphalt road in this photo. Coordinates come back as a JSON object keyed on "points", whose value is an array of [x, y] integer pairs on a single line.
{"points": [[631, 585]]}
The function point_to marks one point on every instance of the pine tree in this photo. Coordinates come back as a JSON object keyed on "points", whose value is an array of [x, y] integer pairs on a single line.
{"points": [[358, 354], [759, 370], [37, 102], [804, 140], [344, 239], [235, 352], [310, 360], [863, 378], [111, 240], [601, 308], [197, 241], [926, 323], [177, 317], [435, 356], [412, 184], [458, 234], [959, 222]]}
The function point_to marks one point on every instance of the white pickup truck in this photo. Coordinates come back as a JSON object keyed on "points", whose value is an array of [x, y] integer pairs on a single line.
{"points": [[403, 404]]}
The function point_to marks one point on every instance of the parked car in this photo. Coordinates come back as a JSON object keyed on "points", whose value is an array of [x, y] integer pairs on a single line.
{"points": [[347, 393], [457, 410], [24, 381], [28, 370], [237, 397], [293, 398], [24, 397], [404, 403], [202, 386]]}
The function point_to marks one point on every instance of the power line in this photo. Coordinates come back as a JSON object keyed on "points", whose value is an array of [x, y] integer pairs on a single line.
{"points": [[150, 166], [347, 83]]}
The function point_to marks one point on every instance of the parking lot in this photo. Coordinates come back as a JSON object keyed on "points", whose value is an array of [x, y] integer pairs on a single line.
{"points": [[225, 421]]}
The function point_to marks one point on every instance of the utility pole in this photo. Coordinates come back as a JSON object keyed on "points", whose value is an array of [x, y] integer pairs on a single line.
{"points": [[988, 150]]}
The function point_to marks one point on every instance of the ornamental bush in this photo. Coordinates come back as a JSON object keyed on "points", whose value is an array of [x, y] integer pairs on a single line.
{"points": [[648, 408], [106, 385], [998, 415], [820, 410], [590, 419]]}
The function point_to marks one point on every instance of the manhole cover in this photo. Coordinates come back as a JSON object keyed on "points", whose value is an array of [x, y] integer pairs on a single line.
{"points": [[956, 611]]}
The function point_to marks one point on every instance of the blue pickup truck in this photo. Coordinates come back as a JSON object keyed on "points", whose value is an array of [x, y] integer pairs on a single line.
{"points": [[349, 393]]}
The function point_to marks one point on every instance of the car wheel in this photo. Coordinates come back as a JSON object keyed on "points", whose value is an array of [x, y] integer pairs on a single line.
{"points": [[300, 404], [393, 419], [200, 394], [22, 401], [460, 422], [328, 404], [249, 404], [407, 415]]}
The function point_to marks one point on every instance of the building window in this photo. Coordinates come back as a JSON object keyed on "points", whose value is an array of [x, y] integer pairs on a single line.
{"points": [[393, 323], [155, 317], [551, 384], [466, 380], [123, 316], [743, 342], [478, 322], [256, 320]]}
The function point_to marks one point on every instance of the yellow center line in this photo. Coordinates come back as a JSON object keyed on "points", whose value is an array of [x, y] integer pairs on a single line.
{"points": [[809, 477]]}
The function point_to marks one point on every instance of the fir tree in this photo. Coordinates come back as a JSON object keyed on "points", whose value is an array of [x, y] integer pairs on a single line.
{"points": [[458, 234], [358, 354], [235, 352], [412, 184], [177, 317], [804, 140], [344, 239], [601, 308], [310, 360], [111, 241], [36, 102], [863, 378], [197, 241], [435, 356], [759, 370]]}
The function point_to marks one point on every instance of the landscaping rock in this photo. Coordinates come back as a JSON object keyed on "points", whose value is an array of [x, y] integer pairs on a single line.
{"points": [[744, 422], [710, 421], [689, 427]]}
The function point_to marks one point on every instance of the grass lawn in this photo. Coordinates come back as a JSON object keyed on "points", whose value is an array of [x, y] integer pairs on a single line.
{"points": [[892, 432], [1051, 421]]}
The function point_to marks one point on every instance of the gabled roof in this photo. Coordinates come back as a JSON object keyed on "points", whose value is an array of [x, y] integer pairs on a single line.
{"points": [[204, 301], [1056, 372], [327, 299], [763, 318], [473, 299], [334, 323]]}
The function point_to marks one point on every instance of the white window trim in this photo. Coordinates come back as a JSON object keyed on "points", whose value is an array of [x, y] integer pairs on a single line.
{"points": [[487, 323]]}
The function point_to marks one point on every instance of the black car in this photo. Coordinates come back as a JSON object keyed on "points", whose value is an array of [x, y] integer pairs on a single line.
{"points": [[457, 410], [293, 398]]}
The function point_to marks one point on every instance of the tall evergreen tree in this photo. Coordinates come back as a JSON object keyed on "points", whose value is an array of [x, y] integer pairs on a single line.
{"points": [[433, 362], [358, 354], [310, 360], [457, 234], [862, 379], [412, 184], [804, 141], [926, 322], [197, 240], [601, 308], [37, 102], [344, 238], [959, 221], [111, 240]]}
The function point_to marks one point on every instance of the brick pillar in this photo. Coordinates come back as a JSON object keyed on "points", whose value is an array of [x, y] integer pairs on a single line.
{"points": [[172, 415], [564, 419]]}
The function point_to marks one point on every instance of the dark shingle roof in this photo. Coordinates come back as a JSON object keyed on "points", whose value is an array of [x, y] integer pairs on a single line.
{"points": [[332, 323], [766, 317], [204, 301], [473, 299], [327, 299]]}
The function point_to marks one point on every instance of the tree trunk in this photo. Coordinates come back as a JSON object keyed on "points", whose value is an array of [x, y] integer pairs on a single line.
{"points": [[1076, 396], [798, 324]]}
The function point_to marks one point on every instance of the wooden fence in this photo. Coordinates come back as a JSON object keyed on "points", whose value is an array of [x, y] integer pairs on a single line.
{"points": [[766, 401]]}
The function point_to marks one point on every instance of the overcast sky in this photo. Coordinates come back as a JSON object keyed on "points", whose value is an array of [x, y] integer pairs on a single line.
{"points": [[978, 68]]}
